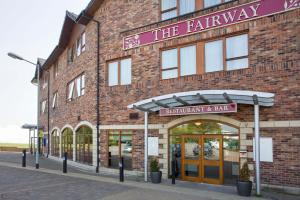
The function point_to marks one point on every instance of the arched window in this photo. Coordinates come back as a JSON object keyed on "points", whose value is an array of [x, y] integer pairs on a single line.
{"points": [[55, 143], [67, 142], [84, 145]]}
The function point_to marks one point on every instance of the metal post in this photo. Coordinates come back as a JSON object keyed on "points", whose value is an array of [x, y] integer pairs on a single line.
{"points": [[29, 135], [38, 115], [121, 167], [257, 148], [173, 170], [24, 158], [146, 148], [33, 141], [65, 162]]}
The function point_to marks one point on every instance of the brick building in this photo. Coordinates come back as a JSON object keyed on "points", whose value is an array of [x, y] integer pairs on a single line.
{"points": [[196, 70]]}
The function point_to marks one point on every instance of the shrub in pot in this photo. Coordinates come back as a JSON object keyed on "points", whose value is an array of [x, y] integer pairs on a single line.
{"points": [[155, 173], [244, 185]]}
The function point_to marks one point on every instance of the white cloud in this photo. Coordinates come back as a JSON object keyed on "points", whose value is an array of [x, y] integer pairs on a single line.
{"points": [[13, 134]]}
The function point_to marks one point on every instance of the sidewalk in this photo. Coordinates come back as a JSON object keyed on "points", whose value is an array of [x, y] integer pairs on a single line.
{"points": [[204, 191]]}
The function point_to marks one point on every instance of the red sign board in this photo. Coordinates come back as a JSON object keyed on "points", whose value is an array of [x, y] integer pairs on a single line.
{"points": [[201, 109], [234, 15]]}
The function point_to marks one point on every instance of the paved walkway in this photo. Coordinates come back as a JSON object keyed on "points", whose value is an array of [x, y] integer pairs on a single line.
{"points": [[50, 183]]}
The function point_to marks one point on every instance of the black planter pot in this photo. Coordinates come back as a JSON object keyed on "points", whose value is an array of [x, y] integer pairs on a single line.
{"points": [[244, 188], [156, 177]]}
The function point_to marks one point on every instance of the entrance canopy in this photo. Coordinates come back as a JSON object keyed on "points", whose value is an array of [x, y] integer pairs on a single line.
{"points": [[204, 97]]}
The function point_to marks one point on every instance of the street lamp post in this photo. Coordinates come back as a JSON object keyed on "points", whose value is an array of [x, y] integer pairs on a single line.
{"points": [[15, 56]]}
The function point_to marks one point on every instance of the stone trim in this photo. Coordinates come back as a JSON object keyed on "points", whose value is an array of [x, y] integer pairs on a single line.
{"points": [[273, 124], [127, 127]]}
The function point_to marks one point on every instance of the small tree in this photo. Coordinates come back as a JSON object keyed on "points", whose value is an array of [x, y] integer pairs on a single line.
{"points": [[154, 167], [244, 173]]}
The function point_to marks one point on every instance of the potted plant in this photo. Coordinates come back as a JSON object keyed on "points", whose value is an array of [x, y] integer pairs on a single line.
{"points": [[244, 185], [155, 172]]}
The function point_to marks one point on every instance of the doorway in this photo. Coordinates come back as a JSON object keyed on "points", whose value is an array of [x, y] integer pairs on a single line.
{"points": [[202, 158], [205, 151]]}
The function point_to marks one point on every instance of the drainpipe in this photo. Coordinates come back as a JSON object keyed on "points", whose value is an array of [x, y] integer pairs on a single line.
{"points": [[48, 148], [98, 86]]}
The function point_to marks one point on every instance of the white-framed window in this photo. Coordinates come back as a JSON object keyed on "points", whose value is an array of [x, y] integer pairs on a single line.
{"points": [[55, 70], [119, 72], [43, 106], [44, 81], [55, 100], [70, 56], [80, 44], [171, 68], [214, 56], [76, 88], [173, 8]]}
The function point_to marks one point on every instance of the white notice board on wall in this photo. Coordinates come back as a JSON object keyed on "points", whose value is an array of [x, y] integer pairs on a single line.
{"points": [[153, 146], [266, 149]]}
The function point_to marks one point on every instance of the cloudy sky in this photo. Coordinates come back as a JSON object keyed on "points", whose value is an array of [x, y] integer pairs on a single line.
{"points": [[29, 28]]}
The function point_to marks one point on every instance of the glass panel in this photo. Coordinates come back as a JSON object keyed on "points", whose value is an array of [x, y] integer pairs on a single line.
{"points": [[169, 15], [78, 86], [188, 60], [170, 74], [191, 170], [113, 160], [175, 153], [214, 56], [231, 146], [167, 4], [211, 148], [169, 59], [237, 64], [126, 150], [192, 148], [208, 3], [237, 46], [212, 172], [113, 74], [187, 6], [126, 71]]}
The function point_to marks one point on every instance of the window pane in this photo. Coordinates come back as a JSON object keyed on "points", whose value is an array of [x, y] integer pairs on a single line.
{"points": [[126, 71], [83, 81], [169, 59], [83, 41], [167, 4], [78, 47], [237, 46], [187, 6], [188, 60], [113, 74], [71, 89], [78, 86], [208, 3], [169, 74], [169, 15], [237, 64], [214, 56]]}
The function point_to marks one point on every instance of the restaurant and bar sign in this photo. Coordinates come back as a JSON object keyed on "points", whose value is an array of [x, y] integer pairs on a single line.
{"points": [[238, 14], [201, 109]]}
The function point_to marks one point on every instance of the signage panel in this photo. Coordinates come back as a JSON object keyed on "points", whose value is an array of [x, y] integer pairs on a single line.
{"points": [[200, 109], [238, 14]]}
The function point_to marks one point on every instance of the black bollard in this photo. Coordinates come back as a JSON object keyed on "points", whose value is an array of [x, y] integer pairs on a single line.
{"points": [[65, 162], [24, 158], [121, 166], [173, 171]]}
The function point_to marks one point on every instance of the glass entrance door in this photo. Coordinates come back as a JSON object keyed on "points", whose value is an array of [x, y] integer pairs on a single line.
{"points": [[191, 158], [202, 158], [212, 166]]}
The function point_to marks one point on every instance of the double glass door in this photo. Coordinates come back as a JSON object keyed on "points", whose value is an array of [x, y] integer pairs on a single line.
{"points": [[202, 157]]}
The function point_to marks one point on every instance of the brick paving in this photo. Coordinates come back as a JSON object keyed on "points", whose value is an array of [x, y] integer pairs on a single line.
{"points": [[17, 183]]}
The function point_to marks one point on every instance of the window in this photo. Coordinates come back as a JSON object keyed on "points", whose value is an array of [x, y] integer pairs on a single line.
{"points": [[236, 53], [43, 106], [55, 70], [171, 68], [76, 88], [54, 100], [84, 145], [80, 44], [209, 3], [71, 54], [173, 8], [119, 72], [227, 53], [45, 81], [120, 145]]}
